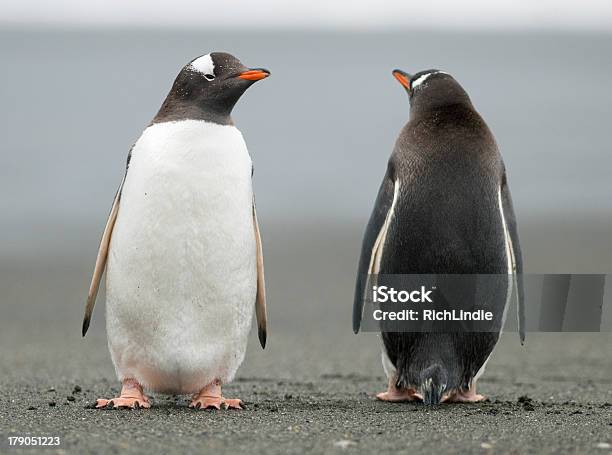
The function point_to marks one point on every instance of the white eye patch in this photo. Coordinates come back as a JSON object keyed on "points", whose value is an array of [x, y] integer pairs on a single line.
{"points": [[204, 65], [423, 77]]}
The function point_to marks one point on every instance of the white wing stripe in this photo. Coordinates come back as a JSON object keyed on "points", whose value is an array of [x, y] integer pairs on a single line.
{"points": [[511, 276], [509, 257], [377, 250]]}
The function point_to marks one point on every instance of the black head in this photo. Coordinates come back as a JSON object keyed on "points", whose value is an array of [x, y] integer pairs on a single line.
{"points": [[431, 89], [207, 88]]}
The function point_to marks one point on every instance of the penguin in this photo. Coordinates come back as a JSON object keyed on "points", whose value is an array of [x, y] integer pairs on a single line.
{"points": [[444, 207], [182, 246]]}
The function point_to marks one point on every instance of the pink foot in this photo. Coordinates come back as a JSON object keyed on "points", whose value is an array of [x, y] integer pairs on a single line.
{"points": [[464, 396], [131, 397], [210, 398], [206, 402], [396, 395], [399, 395]]}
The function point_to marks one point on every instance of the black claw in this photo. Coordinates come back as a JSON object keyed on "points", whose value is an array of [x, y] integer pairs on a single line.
{"points": [[85, 326]]}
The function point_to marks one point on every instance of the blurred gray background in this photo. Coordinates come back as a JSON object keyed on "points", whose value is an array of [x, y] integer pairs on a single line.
{"points": [[77, 87], [320, 129]]}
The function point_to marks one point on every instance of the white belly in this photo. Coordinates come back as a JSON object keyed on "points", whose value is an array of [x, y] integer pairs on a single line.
{"points": [[181, 276]]}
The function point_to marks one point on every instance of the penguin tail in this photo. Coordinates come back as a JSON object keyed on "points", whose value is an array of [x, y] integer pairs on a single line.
{"points": [[433, 382]]}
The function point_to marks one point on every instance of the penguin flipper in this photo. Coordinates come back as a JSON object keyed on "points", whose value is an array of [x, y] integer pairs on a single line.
{"points": [[260, 299], [515, 248], [373, 242], [101, 260]]}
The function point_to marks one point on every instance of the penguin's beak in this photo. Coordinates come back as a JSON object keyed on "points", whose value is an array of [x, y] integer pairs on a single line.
{"points": [[254, 74], [403, 78]]}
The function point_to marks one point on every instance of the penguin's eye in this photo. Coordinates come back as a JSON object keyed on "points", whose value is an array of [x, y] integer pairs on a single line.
{"points": [[209, 77]]}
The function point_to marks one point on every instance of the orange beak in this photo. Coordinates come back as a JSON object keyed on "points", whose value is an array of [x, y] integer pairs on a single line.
{"points": [[254, 75], [402, 78]]}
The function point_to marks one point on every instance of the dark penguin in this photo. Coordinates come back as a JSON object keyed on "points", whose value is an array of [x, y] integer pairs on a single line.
{"points": [[444, 207]]}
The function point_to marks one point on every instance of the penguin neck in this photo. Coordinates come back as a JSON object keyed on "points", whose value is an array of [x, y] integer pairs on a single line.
{"points": [[180, 109], [432, 101]]}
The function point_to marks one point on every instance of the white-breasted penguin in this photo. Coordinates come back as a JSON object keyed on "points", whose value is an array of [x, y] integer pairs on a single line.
{"points": [[444, 207], [185, 265]]}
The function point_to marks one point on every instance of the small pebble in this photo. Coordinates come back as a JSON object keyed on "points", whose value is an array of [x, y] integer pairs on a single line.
{"points": [[51, 403], [77, 389], [70, 398], [344, 444], [32, 408]]}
